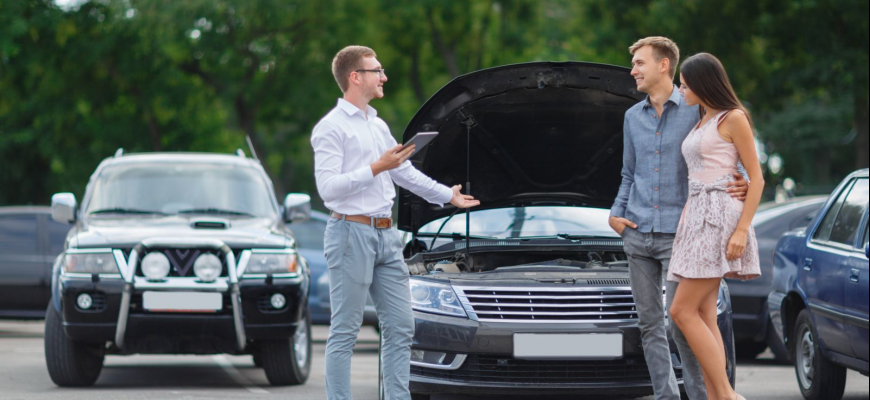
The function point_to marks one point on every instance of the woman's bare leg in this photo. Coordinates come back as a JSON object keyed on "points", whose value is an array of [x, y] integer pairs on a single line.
{"points": [[708, 313], [692, 294]]}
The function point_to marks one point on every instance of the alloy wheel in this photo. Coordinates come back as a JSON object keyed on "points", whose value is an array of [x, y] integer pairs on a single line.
{"points": [[300, 344], [806, 354]]}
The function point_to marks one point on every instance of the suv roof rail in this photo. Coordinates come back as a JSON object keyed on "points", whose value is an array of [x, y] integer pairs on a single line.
{"points": [[119, 152], [241, 153]]}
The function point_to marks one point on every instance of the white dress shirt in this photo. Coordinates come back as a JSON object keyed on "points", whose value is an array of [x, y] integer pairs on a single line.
{"points": [[346, 143]]}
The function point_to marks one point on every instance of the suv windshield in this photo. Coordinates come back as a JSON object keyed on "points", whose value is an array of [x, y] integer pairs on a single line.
{"points": [[187, 188], [528, 222]]}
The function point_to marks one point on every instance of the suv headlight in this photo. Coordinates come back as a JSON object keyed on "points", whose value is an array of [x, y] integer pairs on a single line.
{"points": [[101, 262], [262, 262], [435, 298]]}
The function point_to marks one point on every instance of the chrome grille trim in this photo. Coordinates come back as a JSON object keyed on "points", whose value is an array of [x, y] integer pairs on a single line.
{"points": [[549, 304]]}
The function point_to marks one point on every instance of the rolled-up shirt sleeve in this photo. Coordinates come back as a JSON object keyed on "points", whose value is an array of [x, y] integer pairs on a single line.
{"points": [[328, 155], [628, 165]]}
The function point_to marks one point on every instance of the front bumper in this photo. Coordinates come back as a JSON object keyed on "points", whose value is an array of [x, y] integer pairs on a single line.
{"points": [[118, 315], [491, 369]]}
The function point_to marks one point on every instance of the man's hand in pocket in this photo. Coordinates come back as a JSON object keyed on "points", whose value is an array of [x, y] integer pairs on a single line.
{"points": [[619, 224]]}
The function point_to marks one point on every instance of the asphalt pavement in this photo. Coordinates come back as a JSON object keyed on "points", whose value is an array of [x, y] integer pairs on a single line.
{"points": [[23, 374]]}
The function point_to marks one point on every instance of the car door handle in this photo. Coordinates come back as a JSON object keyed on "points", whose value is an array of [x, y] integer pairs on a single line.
{"points": [[808, 264], [855, 274]]}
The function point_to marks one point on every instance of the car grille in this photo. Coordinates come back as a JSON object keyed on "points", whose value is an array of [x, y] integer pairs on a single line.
{"points": [[502, 369], [550, 304], [181, 261]]}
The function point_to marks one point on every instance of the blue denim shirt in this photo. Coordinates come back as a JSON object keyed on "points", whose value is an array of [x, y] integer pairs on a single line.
{"points": [[655, 177]]}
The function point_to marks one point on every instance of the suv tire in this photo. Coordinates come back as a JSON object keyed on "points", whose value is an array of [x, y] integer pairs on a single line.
{"points": [[70, 364], [818, 378], [288, 361]]}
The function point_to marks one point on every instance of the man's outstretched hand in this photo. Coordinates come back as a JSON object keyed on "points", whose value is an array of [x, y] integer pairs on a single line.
{"points": [[462, 201], [739, 188]]}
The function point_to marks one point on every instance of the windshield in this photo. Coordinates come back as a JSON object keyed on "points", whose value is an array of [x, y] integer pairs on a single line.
{"points": [[528, 222], [188, 188]]}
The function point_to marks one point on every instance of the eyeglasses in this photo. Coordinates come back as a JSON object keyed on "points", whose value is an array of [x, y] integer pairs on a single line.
{"points": [[381, 72]]}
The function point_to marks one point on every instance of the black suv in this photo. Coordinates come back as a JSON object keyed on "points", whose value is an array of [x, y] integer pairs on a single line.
{"points": [[178, 254]]}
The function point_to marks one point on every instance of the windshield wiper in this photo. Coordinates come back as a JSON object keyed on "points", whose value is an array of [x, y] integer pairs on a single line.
{"points": [[567, 236], [458, 236], [119, 210], [215, 211]]}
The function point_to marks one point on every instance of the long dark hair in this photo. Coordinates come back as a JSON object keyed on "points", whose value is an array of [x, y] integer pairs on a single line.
{"points": [[706, 76]]}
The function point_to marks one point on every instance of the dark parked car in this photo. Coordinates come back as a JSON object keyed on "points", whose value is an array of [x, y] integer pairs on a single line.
{"points": [[178, 254], [752, 330], [819, 303], [29, 243], [531, 297]]}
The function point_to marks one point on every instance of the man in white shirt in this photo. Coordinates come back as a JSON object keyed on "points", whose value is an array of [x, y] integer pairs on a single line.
{"points": [[356, 162]]}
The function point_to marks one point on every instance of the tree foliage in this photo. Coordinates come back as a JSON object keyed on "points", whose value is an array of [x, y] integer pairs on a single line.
{"points": [[201, 75]]}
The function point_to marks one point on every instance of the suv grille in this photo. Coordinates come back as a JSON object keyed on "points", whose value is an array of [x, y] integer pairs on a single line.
{"points": [[181, 261], [504, 369], [550, 304]]}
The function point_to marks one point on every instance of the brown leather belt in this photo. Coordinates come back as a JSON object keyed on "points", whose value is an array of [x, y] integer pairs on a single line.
{"points": [[379, 223]]}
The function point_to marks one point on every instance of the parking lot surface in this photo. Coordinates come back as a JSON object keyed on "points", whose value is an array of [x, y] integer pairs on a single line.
{"points": [[23, 374]]}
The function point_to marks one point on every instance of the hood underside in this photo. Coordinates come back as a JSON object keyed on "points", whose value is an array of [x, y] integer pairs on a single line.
{"points": [[523, 135]]}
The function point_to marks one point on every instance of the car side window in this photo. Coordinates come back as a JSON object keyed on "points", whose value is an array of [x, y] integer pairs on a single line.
{"points": [[18, 234], [823, 232], [845, 229], [309, 234], [866, 237], [57, 236]]}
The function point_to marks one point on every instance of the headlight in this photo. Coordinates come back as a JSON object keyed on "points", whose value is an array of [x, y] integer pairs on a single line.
{"points": [[436, 298], [207, 267], [90, 263], [272, 263], [155, 266]]}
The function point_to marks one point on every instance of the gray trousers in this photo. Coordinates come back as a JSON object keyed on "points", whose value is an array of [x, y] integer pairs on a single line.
{"points": [[648, 257], [365, 260]]}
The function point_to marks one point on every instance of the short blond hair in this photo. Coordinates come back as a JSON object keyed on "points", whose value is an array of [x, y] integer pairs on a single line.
{"points": [[662, 48], [347, 60]]}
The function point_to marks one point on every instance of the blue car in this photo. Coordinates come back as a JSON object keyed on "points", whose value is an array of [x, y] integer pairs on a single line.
{"points": [[819, 302], [309, 241]]}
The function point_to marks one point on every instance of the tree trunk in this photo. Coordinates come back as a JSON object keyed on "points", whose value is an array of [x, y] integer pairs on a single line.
{"points": [[448, 54], [154, 131], [862, 143], [415, 76]]}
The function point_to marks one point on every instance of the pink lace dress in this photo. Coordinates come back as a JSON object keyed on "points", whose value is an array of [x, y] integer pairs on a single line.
{"points": [[711, 214]]}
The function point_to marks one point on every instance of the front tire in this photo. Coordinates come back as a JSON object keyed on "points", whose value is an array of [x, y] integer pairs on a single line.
{"points": [[818, 378], [70, 364], [288, 361]]}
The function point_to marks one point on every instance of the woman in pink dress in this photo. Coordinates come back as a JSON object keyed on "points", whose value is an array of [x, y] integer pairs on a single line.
{"points": [[714, 239]]}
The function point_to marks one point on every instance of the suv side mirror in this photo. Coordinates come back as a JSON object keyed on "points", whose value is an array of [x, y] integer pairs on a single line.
{"points": [[867, 250], [297, 207], [63, 208]]}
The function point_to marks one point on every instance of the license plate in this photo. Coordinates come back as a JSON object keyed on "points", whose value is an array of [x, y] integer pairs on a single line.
{"points": [[596, 346], [182, 301]]}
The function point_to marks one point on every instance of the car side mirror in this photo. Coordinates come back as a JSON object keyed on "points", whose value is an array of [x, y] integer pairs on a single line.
{"points": [[297, 207], [63, 208], [867, 250]]}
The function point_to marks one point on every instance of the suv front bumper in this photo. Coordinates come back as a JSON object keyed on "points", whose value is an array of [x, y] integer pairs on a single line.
{"points": [[118, 315]]}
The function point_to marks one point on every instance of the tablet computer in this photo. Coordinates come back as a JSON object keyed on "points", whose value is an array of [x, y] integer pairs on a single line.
{"points": [[421, 140]]}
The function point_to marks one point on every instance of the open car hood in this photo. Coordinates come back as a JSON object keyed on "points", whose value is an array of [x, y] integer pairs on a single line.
{"points": [[542, 133]]}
